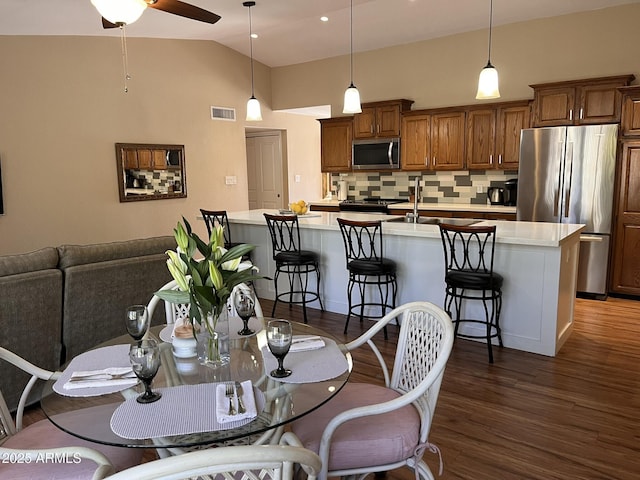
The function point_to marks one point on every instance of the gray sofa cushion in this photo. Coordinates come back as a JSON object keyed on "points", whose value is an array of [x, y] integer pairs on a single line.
{"points": [[100, 281], [30, 320], [71, 255], [44, 259]]}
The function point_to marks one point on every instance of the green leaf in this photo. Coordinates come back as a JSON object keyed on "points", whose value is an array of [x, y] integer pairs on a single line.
{"points": [[173, 296]]}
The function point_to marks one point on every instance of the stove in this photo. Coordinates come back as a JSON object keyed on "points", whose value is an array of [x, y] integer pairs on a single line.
{"points": [[369, 205]]}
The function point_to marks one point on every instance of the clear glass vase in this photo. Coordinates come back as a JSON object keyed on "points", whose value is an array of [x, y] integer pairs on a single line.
{"points": [[213, 341]]}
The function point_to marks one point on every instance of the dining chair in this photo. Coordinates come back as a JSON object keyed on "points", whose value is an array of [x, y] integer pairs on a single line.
{"points": [[174, 311], [469, 276], [86, 459], [370, 428], [264, 462]]}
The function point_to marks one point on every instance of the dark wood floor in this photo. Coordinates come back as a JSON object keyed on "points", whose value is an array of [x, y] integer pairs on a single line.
{"points": [[573, 416]]}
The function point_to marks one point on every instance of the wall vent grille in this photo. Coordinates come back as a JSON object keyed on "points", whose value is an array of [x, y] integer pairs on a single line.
{"points": [[223, 113]]}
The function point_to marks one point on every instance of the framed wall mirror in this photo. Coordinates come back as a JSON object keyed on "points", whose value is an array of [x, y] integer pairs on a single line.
{"points": [[150, 171]]}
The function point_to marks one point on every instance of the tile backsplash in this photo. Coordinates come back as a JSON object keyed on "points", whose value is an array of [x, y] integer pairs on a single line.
{"points": [[436, 187]]}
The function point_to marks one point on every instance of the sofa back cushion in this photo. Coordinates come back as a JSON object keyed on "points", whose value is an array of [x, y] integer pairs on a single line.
{"points": [[30, 315], [100, 281]]}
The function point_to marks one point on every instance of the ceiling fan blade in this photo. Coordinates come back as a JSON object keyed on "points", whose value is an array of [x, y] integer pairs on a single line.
{"points": [[184, 10], [107, 24]]}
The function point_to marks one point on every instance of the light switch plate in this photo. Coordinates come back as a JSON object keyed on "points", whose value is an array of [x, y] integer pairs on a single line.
{"points": [[230, 180]]}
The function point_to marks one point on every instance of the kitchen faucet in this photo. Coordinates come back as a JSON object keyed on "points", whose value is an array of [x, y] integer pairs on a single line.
{"points": [[416, 194]]}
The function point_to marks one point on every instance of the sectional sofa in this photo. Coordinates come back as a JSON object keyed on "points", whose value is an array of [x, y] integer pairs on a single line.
{"points": [[59, 301]]}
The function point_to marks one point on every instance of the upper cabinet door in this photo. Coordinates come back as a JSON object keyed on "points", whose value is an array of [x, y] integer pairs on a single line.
{"points": [[364, 124], [447, 141], [630, 112], [554, 106], [599, 104], [336, 135], [481, 137], [415, 149], [388, 120], [510, 123]]}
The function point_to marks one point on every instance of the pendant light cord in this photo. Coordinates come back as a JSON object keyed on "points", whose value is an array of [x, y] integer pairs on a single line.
{"points": [[251, 49], [125, 59], [351, 45], [490, 28]]}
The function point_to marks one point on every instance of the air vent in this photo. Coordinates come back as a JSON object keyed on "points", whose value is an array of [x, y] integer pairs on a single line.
{"points": [[223, 113]]}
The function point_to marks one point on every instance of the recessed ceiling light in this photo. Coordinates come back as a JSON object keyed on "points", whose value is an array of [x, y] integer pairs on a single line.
{"points": [[324, 19]]}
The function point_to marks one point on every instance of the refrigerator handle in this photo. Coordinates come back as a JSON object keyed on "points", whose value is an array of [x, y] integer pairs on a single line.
{"points": [[567, 180], [556, 195]]}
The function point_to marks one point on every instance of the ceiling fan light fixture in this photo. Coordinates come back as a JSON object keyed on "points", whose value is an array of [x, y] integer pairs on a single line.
{"points": [[120, 11], [488, 80]]}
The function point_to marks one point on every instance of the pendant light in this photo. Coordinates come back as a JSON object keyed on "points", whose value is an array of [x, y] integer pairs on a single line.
{"points": [[120, 12], [488, 81], [351, 94], [253, 105]]}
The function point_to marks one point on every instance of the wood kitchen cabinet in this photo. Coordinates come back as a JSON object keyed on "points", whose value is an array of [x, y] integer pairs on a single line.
{"points": [[433, 141], [493, 135], [579, 102], [336, 135], [380, 119], [130, 159], [630, 123], [625, 272]]}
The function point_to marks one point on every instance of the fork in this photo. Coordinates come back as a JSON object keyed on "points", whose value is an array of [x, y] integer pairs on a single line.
{"points": [[229, 393], [240, 392]]}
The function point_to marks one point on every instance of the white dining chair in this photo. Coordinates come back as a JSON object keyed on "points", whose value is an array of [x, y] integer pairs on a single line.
{"points": [[370, 428], [42, 440], [264, 462], [174, 311]]}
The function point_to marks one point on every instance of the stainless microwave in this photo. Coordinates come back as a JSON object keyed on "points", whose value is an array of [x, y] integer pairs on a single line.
{"points": [[376, 154]]}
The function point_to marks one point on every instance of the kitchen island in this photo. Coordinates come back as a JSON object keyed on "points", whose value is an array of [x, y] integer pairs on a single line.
{"points": [[539, 262]]}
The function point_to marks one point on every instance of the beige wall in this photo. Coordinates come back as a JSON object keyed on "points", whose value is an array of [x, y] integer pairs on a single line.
{"points": [[63, 107], [444, 72]]}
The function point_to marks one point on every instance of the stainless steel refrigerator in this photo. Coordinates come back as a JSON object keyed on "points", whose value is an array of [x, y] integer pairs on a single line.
{"points": [[567, 175]]}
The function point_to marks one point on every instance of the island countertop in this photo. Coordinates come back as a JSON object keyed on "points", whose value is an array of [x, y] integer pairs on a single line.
{"points": [[538, 262], [426, 206], [509, 232]]}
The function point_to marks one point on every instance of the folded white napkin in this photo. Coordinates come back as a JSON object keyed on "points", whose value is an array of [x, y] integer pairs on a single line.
{"points": [[222, 403], [303, 343], [101, 378]]}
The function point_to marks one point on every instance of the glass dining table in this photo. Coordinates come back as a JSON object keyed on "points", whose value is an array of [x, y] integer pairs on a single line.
{"points": [[91, 416]]}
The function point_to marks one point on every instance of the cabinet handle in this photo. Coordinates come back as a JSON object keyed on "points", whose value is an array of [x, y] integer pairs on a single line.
{"points": [[500, 159], [571, 114], [371, 128], [491, 159], [378, 128], [581, 117], [434, 161]]}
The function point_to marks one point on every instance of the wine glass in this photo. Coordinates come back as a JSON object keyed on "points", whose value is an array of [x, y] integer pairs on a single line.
{"points": [[137, 321], [279, 341], [145, 361], [245, 302]]}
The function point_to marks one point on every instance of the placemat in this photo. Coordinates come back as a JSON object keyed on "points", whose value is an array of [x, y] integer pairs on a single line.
{"points": [[104, 357], [309, 366], [181, 410]]}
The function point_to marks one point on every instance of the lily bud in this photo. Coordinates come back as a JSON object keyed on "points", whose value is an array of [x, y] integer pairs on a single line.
{"points": [[216, 276], [182, 239]]}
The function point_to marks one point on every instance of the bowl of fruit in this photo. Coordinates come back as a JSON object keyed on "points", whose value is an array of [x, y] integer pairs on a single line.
{"points": [[299, 208]]}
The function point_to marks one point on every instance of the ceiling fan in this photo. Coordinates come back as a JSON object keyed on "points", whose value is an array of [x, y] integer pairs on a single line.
{"points": [[116, 13]]}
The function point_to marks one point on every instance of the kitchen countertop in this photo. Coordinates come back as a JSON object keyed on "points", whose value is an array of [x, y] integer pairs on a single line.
{"points": [[453, 207], [508, 232]]}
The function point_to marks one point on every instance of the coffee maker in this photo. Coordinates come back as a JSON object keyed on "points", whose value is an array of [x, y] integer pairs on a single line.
{"points": [[511, 192]]}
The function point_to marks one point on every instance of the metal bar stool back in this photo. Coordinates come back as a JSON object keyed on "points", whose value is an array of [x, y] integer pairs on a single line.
{"points": [[368, 269], [295, 263], [468, 257]]}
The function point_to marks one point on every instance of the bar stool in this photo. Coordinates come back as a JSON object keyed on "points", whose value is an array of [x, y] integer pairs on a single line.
{"points": [[368, 268], [294, 262], [469, 275], [213, 217]]}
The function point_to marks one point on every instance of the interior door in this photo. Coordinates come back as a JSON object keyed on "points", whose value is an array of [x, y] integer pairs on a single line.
{"points": [[265, 171]]}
